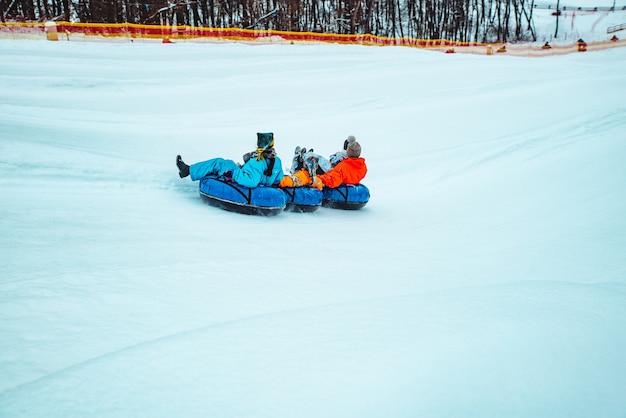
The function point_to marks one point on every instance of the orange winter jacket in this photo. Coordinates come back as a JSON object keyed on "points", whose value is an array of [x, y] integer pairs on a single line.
{"points": [[300, 178], [349, 171]]}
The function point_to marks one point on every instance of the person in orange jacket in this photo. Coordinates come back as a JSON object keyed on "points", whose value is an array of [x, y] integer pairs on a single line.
{"points": [[350, 170]]}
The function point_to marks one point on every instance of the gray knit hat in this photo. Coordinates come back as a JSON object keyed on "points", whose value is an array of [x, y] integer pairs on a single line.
{"points": [[354, 150], [350, 138]]}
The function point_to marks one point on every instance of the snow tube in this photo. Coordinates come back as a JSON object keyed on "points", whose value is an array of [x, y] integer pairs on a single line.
{"points": [[303, 199], [346, 196], [231, 196]]}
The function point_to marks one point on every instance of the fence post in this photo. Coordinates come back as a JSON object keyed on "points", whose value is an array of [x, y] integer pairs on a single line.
{"points": [[51, 31]]}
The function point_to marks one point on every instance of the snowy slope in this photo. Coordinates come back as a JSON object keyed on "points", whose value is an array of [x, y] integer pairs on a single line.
{"points": [[486, 276]]}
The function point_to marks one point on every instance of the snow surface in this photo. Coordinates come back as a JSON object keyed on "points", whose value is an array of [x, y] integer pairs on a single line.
{"points": [[486, 276], [575, 24]]}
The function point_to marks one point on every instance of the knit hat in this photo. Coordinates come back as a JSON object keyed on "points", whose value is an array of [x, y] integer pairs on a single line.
{"points": [[264, 140], [350, 138], [354, 150]]}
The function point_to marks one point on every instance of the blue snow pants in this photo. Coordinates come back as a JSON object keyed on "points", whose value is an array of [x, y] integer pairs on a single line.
{"points": [[215, 166]]}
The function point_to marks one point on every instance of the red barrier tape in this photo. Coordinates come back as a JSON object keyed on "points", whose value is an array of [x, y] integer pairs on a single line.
{"points": [[130, 32]]}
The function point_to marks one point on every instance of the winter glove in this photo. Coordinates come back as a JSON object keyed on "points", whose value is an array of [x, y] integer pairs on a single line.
{"points": [[248, 155], [317, 184]]}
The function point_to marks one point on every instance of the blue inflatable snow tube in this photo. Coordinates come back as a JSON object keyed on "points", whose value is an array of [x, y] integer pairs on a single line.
{"points": [[346, 196], [303, 199], [231, 196]]}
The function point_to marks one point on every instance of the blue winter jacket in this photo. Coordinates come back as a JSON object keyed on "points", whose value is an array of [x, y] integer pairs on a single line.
{"points": [[251, 173]]}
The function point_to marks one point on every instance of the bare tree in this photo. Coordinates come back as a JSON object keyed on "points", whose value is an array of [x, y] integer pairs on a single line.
{"points": [[454, 20]]}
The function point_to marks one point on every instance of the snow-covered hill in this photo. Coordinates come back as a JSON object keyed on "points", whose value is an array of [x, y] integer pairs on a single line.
{"points": [[486, 276]]}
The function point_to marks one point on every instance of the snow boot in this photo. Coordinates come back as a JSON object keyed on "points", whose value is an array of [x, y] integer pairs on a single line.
{"points": [[297, 163], [183, 169], [312, 164]]}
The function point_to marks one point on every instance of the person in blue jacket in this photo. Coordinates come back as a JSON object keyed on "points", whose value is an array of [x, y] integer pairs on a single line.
{"points": [[261, 167]]}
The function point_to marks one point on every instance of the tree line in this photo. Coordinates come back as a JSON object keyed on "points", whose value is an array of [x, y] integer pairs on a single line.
{"points": [[455, 20]]}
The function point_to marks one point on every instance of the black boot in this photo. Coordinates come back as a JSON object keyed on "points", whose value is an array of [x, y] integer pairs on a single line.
{"points": [[183, 169]]}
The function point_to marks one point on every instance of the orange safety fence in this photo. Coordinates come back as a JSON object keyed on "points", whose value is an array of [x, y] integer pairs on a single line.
{"points": [[132, 32]]}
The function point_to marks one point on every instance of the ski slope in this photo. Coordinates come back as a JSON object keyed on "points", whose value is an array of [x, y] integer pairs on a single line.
{"points": [[485, 277]]}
